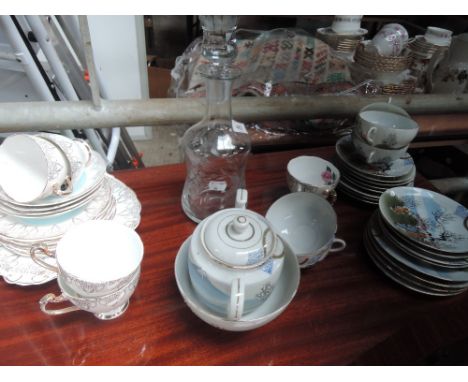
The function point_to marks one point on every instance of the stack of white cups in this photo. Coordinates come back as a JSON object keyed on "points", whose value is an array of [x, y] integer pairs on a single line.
{"points": [[383, 136]]}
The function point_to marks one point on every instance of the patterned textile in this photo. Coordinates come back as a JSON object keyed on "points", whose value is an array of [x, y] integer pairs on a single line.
{"points": [[277, 62]]}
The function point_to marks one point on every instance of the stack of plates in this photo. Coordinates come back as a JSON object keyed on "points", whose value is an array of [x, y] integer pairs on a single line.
{"points": [[419, 239], [366, 182], [96, 195]]}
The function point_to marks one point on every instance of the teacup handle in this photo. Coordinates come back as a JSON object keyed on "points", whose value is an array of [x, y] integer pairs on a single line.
{"points": [[370, 134], [65, 188], [341, 245], [51, 298], [278, 252], [87, 148], [369, 158], [236, 304], [43, 249], [331, 196]]}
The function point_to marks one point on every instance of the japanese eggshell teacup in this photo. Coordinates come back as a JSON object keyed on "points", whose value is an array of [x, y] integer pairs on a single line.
{"points": [[387, 107], [307, 223], [313, 174], [385, 129], [372, 154], [96, 257]]}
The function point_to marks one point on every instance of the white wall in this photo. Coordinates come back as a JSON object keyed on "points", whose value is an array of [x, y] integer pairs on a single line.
{"points": [[120, 54]]}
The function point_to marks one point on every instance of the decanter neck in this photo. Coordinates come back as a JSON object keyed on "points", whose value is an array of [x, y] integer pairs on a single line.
{"points": [[218, 99]]}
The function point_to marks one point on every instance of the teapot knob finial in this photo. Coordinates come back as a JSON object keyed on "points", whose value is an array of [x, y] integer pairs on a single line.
{"points": [[240, 224]]}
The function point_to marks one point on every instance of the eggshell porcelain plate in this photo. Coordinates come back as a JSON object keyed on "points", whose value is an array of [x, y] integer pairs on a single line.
{"points": [[427, 218]]}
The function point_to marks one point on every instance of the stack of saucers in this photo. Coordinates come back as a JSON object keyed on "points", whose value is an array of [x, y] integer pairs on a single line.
{"points": [[44, 214], [365, 182], [419, 239], [374, 157]]}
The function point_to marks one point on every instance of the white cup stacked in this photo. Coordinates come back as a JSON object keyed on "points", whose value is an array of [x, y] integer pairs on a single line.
{"points": [[48, 184], [374, 156]]}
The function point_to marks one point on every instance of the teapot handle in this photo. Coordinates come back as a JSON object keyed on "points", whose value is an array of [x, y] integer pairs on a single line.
{"points": [[241, 198], [236, 302]]}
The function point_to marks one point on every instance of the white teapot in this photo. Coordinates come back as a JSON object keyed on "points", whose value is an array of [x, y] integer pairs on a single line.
{"points": [[235, 260]]}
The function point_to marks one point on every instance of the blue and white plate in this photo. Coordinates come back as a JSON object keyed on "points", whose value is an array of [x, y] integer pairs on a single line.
{"points": [[427, 218]]}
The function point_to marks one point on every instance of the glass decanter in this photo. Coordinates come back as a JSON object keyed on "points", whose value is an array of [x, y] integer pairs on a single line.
{"points": [[216, 150]]}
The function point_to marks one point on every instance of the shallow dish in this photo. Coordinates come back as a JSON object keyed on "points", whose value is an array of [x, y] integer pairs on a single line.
{"points": [[427, 218], [403, 279], [456, 276]]}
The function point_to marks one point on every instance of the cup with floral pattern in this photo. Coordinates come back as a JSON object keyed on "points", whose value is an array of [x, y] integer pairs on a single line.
{"points": [[313, 174]]}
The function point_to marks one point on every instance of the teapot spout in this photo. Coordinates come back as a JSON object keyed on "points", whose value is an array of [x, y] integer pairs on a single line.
{"points": [[241, 198]]}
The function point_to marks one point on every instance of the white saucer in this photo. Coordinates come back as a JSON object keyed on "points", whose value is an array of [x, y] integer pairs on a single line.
{"points": [[396, 170], [282, 294]]}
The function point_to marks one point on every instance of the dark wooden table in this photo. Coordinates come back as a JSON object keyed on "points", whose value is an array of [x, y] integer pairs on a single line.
{"points": [[345, 311]]}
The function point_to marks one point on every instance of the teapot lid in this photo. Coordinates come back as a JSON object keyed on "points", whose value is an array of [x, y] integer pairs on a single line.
{"points": [[238, 238]]}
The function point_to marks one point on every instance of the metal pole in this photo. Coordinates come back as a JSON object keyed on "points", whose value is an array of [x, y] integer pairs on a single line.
{"points": [[22, 54], [47, 47], [24, 116], [88, 51]]}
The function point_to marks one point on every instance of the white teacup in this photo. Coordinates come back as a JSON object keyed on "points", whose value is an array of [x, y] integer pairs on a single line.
{"points": [[106, 307], [438, 36], [313, 174], [388, 107], [307, 223], [32, 168], [96, 257], [77, 152], [385, 129], [390, 40], [372, 154], [346, 24]]}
